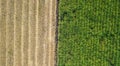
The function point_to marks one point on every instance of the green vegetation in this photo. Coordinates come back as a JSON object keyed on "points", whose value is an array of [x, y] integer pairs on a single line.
{"points": [[89, 33]]}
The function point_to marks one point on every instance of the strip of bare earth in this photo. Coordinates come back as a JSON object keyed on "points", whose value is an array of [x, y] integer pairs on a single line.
{"points": [[27, 32], [2, 32]]}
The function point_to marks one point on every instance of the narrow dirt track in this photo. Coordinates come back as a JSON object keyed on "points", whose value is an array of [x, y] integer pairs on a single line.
{"points": [[27, 32]]}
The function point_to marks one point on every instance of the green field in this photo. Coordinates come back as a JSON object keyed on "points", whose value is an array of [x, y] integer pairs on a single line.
{"points": [[89, 33]]}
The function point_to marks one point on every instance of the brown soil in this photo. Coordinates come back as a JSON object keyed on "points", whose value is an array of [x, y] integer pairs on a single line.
{"points": [[27, 32]]}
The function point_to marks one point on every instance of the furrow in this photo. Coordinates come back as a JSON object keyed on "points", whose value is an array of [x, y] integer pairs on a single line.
{"points": [[2, 32], [32, 26], [25, 33], [40, 33], [46, 34], [50, 38], [36, 37], [52, 32], [17, 32], [10, 33]]}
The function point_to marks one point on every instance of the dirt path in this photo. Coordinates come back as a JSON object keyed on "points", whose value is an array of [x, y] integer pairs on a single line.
{"points": [[27, 32]]}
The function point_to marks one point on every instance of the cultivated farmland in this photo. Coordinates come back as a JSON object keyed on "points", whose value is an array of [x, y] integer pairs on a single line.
{"points": [[89, 33], [27, 32]]}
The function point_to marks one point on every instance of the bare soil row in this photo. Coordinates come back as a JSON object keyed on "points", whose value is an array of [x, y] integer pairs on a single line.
{"points": [[27, 32]]}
